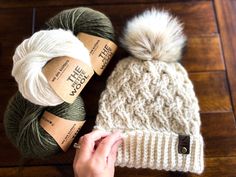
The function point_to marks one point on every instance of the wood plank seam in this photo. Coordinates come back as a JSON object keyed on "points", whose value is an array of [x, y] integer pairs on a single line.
{"points": [[223, 53]]}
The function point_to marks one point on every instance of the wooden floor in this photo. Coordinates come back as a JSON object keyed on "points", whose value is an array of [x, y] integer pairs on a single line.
{"points": [[210, 59]]}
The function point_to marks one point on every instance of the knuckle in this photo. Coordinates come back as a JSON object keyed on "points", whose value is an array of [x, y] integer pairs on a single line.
{"points": [[105, 142], [86, 139], [97, 160]]}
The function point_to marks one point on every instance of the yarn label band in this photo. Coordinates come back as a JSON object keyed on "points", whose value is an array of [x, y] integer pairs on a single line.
{"points": [[100, 50], [62, 130], [67, 77]]}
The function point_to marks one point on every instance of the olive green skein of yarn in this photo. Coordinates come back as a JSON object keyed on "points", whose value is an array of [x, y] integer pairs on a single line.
{"points": [[83, 19], [21, 122]]}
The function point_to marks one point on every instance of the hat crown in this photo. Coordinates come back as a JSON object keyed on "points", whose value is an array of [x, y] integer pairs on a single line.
{"points": [[150, 95]]}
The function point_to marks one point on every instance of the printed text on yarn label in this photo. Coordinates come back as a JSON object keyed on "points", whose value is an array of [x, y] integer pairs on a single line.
{"points": [[62, 130], [77, 78], [101, 50], [67, 77]]}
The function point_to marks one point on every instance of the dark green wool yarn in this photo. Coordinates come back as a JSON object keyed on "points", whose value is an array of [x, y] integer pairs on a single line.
{"points": [[21, 121], [21, 118], [83, 19]]}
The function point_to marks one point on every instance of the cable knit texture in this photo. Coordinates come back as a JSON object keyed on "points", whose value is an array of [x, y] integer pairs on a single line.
{"points": [[152, 102], [150, 98]]}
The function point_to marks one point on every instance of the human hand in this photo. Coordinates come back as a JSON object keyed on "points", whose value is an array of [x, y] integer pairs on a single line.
{"points": [[97, 154]]}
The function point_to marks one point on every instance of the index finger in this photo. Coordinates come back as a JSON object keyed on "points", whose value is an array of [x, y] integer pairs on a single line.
{"points": [[105, 146], [87, 143]]}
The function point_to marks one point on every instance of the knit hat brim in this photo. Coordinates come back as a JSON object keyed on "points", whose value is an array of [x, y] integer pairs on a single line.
{"points": [[158, 150]]}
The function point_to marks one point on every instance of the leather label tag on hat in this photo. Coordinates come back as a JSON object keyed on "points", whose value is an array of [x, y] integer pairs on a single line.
{"points": [[62, 130], [100, 50], [184, 144]]}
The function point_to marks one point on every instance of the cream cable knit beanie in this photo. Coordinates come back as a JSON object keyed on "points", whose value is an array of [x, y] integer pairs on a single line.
{"points": [[150, 98]]}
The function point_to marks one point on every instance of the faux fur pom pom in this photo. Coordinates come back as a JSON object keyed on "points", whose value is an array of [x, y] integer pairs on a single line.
{"points": [[154, 35]]}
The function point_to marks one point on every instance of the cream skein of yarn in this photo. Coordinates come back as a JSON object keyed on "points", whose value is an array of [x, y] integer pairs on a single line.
{"points": [[31, 56]]}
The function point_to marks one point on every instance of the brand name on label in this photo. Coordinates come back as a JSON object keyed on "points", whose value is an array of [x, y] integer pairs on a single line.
{"points": [[100, 50], [105, 54], [77, 79]]}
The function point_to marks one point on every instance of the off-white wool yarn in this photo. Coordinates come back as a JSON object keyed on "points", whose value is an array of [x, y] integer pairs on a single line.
{"points": [[31, 56], [150, 98]]}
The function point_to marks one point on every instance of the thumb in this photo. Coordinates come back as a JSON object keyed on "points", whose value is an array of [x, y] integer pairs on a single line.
{"points": [[113, 153]]}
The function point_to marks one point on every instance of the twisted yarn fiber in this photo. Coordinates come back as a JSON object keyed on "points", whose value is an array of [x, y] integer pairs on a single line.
{"points": [[22, 115], [151, 99], [83, 19], [21, 122], [33, 53], [31, 56]]}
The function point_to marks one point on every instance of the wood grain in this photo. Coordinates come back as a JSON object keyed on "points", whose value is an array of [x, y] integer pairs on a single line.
{"points": [[217, 129], [200, 54], [6, 91], [210, 68], [198, 18], [7, 49], [196, 59], [219, 133], [226, 15], [214, 167], [212, 91], [203, 54], [15, 24], [46, 3], [226, 164]]}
